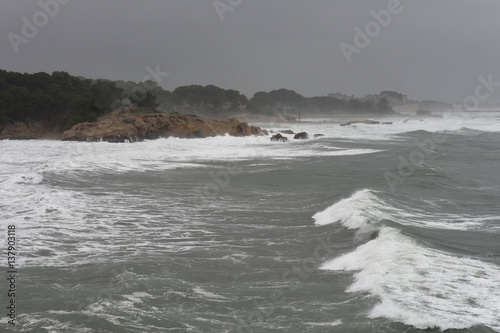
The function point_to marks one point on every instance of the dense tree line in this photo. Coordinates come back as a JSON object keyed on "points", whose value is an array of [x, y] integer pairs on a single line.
{"points": [[289, 100], [213, 100], [208, 99], [143, 94], [72, 100], [56, 97]]}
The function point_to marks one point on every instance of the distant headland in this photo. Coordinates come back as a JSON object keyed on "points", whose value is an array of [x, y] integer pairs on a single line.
{"points": [[62, 106]]}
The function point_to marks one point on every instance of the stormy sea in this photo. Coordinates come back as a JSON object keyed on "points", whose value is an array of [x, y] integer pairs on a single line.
{"points": [[368, 228]]}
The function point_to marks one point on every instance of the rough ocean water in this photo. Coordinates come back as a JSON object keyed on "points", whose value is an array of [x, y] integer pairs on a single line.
{"points": [[369, 228]]}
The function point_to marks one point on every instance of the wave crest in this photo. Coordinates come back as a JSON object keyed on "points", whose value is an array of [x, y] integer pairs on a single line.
{"points": [[363, 208]]}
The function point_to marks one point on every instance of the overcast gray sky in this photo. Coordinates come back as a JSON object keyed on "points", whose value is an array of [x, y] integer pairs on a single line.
{"points": [[428, 49]]}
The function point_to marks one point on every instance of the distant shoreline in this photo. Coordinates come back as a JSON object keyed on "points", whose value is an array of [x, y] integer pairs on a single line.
{"points": [[125, 126], [271, 120]]}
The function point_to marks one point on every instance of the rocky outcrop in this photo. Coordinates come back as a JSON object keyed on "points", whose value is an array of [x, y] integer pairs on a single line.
{"points": [[301, 136], [137, 127], [105, 129], [369, 122], [279, 137]]}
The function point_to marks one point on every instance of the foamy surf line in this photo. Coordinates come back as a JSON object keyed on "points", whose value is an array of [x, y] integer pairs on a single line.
{"points": [[161, 154]]}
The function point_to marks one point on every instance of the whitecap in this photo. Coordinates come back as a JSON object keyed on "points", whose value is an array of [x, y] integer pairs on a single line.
{"points": [[420, 286], [358, 210]]}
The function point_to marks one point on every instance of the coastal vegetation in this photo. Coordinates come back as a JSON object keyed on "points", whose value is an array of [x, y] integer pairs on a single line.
{"points": [[71, 100], [54, 97]]}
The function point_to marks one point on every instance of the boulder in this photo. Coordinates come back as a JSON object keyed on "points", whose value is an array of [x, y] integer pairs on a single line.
{"points": [[129, 119], [279, 137], [287, 132], [301, 136]]}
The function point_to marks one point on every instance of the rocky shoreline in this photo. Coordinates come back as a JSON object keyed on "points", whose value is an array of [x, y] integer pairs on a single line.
{"points": [[130, 127]]}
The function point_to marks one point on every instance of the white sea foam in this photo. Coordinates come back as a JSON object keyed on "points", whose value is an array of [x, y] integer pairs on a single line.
{"points": [[207, 294], [333, 323], [450, 122], [423, 287], [51, 213], [161, 154], [30, 322], [137, 297]]}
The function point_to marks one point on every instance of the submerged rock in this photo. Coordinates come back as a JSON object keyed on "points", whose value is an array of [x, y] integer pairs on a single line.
{"points": [[301, 135], [279, 137], [318, 135]]}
